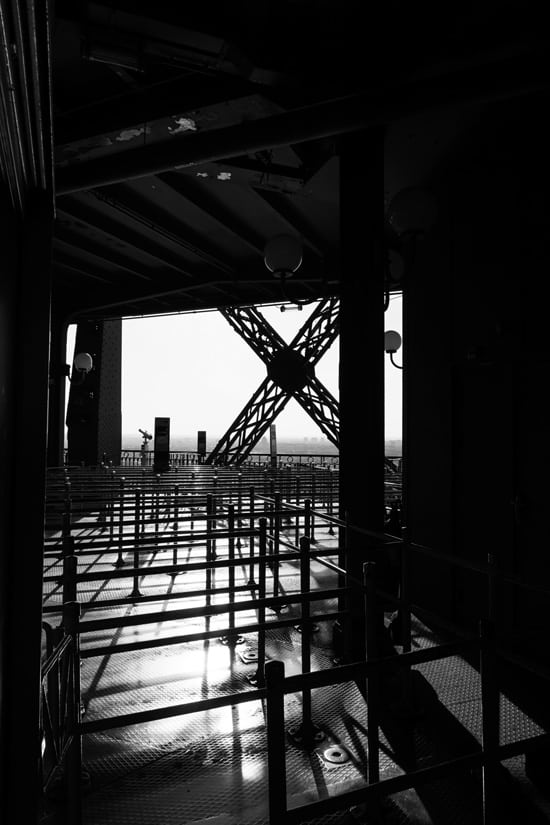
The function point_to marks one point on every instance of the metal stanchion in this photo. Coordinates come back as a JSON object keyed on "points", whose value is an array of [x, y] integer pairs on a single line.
{"points": [[120, 559], [404, 595], [71, 615], [251, 582], [306, 734], [490, 706], [209, 556], [176, 525], [258, 679], [307, 518], [312, 506], [373, 679], [137, 534], [70, 567], [276, 764], [276, 545], [298, 499], [233, 638]]}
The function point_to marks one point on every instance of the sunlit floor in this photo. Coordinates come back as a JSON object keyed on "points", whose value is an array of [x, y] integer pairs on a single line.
{"points": [[210, 768]]}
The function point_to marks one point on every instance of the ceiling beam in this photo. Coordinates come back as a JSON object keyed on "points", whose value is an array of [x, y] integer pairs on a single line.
{"points": [[197, 194], [330, 118], [105, 254], [157, 220], [120, 232]]}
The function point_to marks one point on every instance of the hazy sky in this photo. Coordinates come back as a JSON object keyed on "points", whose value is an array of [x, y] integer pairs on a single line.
{"points": [[196, 370]]}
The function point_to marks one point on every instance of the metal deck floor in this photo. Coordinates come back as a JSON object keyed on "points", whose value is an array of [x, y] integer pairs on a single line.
{"points": [[210, 768]]}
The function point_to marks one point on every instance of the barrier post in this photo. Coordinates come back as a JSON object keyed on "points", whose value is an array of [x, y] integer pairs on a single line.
{"points": [[137, 533], [277, 549], [258, 679], [490, 708], [276, 763], [306, 734], [298, 499], [251, 582], [307, 518], [67, 510], [404, 593], [176, 525], [312, 506], [373, 679], [71, 616], [155, 500], [330, 507], [120, 560], [70, 567], [209, 556]]}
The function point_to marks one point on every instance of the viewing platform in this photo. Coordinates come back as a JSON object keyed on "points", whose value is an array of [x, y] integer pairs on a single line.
{"points": [[196, 664]]}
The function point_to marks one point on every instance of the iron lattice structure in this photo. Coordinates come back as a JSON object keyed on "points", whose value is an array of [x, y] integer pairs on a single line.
{"points": [[290, 374]]}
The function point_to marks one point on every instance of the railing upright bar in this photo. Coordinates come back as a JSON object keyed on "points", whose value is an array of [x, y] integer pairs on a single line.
{"points": [[276, 762], [71, 615], [373, 679], [251, 581], [305, 623], [120, 558], [490, 710], [262, 548], [137, 537], [176, 523], [276, 548], [70, 568], [404, 595]]}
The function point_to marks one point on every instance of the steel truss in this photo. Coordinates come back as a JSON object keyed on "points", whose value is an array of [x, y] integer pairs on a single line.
{"points": [[290, 375]]}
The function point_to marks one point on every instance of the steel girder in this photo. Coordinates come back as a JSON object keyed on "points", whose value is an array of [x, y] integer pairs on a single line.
{"points": [[290, 375]]}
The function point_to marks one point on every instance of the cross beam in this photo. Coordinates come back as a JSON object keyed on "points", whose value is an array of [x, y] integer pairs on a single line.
{"points": [[290, 374]]}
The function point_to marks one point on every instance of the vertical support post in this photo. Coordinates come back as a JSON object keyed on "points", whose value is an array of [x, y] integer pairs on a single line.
{"points": [[276, 762], [490, 708], [251, 581], [306, 629], [361, 334], [277, 546], [137, 538], [208, 572], [298, 499], [71, 616], [176, 523], [373, 678], [231, 571], [70, 565], [307, 518], [312, 507], [262, 552], [120, 559], [404, 594]]}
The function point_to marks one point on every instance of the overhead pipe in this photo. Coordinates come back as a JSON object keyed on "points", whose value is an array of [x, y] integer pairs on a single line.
{"points": [[321, 120]]}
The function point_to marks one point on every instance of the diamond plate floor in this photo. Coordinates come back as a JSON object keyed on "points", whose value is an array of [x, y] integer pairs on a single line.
{"points": [[210, 768]]}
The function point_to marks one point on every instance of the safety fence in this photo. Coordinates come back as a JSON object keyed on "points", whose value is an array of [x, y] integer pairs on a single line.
{"points": [[256, 521]]}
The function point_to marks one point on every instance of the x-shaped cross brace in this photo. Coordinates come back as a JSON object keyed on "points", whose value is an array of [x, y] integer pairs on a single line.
{"points": [[290, 374]]}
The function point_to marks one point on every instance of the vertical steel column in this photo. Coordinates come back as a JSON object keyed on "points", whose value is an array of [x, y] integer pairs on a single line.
{"points": [[298, 499], [208, 572], [490, 708], [137, 533], [404, 594], [277, 547], [120, 559], [176, 523], [251, 581], [262, 551], [70, 565], [361, 353], [276, 762], [373, 679], [71, 616]]}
